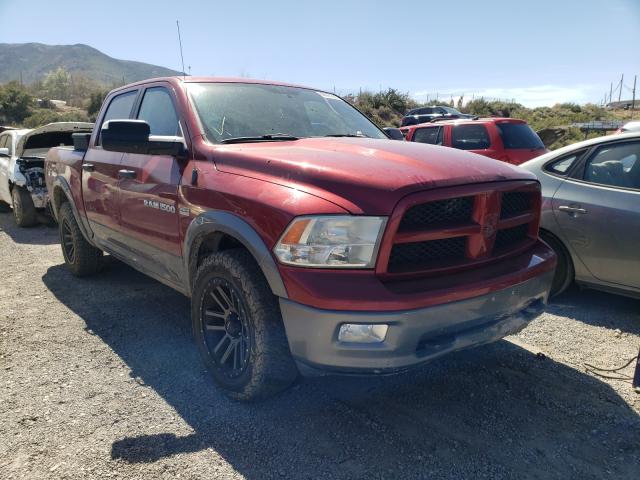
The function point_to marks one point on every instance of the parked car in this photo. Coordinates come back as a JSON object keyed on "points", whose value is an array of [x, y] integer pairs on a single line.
{"points": [[629, 127], [506, 139], [22, 152], [307, 240], [591, 212], [426, 114]]}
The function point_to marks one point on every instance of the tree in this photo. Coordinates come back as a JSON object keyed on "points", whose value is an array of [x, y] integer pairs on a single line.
{"points": [[15, 103], [57, 84], [95, 102]]}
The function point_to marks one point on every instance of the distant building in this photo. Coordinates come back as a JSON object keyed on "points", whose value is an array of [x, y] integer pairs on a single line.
{"points": [[623, 104]]}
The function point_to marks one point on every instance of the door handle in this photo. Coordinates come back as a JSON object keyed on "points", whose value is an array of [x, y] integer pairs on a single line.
{"points": [[127, 173], [572, 210], [88, 167]]}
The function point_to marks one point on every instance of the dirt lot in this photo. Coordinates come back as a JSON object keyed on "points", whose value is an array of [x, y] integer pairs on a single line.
{"points": [[100, 380]]}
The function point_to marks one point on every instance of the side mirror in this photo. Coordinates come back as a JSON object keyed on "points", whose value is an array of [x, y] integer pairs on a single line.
{"points": [[4, 152], [133, 136], [394, 133]]}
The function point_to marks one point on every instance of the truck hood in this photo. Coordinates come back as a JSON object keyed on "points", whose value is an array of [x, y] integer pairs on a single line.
{"points": [[361, 175], [40, 139]]}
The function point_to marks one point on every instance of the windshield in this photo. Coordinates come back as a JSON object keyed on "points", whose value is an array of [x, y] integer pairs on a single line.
{"points": [[519, 135], [245, 110]]}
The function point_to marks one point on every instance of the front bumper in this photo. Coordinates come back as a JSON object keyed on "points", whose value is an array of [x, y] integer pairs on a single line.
{"points": [[414, 336]]}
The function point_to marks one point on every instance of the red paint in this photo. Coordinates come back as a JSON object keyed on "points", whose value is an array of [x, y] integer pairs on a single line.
{"points": [[268, 184], [496, 150]]}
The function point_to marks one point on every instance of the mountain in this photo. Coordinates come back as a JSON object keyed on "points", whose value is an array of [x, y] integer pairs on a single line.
{"points": [[35, 60]]}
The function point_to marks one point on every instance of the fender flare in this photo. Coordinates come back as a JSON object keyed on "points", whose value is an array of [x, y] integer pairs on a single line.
{"points": [[60, 182], [215, 221]]}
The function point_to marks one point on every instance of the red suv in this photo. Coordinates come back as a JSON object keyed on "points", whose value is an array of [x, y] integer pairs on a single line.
{"points": [[507, 139]]}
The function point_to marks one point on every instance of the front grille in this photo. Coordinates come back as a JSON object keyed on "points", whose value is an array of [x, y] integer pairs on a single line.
{"points": [[511, 236], [420, 255], [515, 203], [432, 214], [441, 234]]}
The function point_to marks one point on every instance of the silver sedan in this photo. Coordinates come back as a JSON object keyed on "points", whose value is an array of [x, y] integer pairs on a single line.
{"points": [[591, 212]]}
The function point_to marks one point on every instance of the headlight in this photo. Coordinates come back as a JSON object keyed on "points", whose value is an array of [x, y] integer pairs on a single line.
{"points": [[331, 241]]}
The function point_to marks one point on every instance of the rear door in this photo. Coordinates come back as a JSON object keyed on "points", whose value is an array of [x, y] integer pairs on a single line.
{"points": [[598, 211], [148, 188], [100, 174], [430, 135]]}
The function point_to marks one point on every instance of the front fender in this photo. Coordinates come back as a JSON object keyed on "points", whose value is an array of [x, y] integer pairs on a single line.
{"points": [[212, 221]]}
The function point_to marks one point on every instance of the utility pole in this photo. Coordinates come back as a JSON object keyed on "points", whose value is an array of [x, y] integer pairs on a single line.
{"points": [[610, 91], [620, 91], [633, 100]]}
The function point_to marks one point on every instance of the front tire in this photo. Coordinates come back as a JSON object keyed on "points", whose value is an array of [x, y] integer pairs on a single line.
{"points": [[4, 207], [238, 328], [23, 209], [564, 274], [81, 258]]}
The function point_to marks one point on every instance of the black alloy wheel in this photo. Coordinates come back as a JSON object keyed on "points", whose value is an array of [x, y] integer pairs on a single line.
{"points": [[226, 328], [66, 237]]}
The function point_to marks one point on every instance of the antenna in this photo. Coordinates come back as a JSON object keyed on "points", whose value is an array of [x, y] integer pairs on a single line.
{"points": [[180, 42]]}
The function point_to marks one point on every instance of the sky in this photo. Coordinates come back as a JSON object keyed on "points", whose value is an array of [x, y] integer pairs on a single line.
{"points": [[536, 52]]}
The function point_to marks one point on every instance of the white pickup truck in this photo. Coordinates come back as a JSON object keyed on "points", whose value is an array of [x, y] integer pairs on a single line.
{"points": [[22, 153]]}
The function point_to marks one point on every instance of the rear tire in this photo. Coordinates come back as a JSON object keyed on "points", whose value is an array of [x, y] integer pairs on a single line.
{"points": [[81, 258], [23, 209], [237, 326], [564, 274]]}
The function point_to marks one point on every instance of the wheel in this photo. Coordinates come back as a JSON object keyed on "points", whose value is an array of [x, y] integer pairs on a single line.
{"points": [[564, 274], [80, 256], [238, 327], [23, 209], [4, 207]]}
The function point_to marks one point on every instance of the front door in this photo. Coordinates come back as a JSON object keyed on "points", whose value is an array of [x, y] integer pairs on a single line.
{"points": [[148, 189], [100, 175], [599, 213]]}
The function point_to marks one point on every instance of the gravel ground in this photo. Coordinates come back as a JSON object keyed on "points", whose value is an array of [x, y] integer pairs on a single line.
{"points": [[100, 379]]}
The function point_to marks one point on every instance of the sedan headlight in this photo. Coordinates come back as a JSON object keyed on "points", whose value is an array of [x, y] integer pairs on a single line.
{"points": [[341, 241]]}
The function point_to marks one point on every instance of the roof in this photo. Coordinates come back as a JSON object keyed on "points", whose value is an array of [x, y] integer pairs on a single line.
{"points": [[189, 79], [584, 144], [458, 121]]}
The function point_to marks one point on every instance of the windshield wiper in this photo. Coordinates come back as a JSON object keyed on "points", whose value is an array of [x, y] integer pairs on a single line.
{"points": [[272, 137], [350, 135]]}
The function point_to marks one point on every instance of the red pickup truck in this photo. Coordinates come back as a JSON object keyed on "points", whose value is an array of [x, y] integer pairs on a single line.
{"points": [[307, 241]]}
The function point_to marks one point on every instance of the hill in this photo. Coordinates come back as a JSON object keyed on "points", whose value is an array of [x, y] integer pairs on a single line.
{"points": [[35, 60]]}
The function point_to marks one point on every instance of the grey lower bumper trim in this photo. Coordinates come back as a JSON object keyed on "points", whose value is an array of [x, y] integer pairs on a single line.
{"points": [[414, 336]]}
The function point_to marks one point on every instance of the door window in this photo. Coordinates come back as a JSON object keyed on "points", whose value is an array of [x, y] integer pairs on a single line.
{"points": [[562, 165], [158, 111], [470, 137], [120, 107], [615, 165], [431, 135]]}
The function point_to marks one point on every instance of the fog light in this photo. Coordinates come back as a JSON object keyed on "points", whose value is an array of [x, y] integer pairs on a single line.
{"points": [[359, 333]]}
